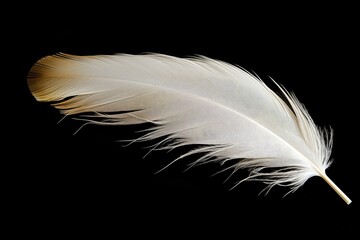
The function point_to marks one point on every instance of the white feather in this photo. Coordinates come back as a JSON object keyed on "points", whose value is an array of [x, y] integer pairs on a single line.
{"points": [[226, 111]]}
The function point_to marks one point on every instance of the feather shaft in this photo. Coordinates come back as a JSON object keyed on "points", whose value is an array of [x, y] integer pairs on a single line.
{"points": [[336, 189]]}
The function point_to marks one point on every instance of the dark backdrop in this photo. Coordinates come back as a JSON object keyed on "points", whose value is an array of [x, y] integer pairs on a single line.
{"points": [[90, 184]]}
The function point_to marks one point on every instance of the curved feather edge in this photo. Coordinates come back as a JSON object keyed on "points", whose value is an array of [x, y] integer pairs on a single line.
{"points": [[63, 80]]}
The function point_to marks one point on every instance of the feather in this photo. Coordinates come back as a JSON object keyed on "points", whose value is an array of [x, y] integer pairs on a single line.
{"points": [[227, 112]]}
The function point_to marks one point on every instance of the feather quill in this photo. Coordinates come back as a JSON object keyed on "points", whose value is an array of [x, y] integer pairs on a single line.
{"points": [[226, 111]]}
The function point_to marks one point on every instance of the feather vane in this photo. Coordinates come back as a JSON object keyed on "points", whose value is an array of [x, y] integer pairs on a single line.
{"points": [[225, 110]]}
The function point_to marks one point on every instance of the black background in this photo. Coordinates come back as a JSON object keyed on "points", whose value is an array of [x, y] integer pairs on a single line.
{"points": [[89, 184]]}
